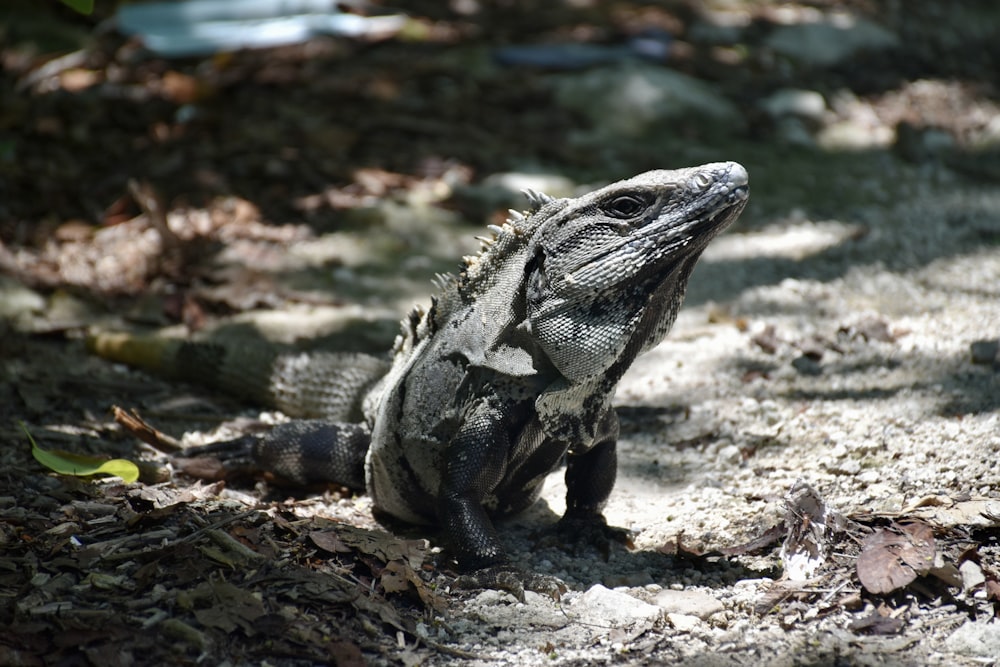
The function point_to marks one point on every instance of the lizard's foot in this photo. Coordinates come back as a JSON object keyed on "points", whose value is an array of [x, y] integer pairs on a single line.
{"points": [[512, 580], [582, 530], [227, 459]]}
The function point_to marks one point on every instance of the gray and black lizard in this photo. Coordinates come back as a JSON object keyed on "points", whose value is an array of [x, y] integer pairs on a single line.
{"points": [[509, 372]]}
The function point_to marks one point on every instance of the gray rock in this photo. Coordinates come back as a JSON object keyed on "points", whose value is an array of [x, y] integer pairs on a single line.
{"points": [[688, 603], [632, 99], [972, 575], [853, 134], [794, 102], [684, 622], [807, 365], [604, 607], [829, 42], [977, 640], [501, 610], [18, 303]]}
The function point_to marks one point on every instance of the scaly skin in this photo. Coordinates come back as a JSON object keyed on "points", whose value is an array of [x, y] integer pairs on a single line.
{"points": [[512, 368]]}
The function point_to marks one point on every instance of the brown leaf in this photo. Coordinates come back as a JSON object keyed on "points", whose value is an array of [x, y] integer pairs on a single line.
{"points": [[772, 597], [229, 606], [398, 577], [892, 558], [920, 550], [678, 547], [202, 467], [328, 540], [383, 546], [877, 624], [77, 79], [347, 654], [182, 88], [394, 577]]}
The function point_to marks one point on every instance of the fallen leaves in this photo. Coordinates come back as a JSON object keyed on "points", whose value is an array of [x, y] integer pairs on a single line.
{"points": [[892, 558], [184, 582], [220, 604], [883, 564], [401, 558]]}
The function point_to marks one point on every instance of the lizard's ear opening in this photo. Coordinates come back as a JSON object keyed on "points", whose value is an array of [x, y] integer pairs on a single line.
{"points": [[536, 280]]}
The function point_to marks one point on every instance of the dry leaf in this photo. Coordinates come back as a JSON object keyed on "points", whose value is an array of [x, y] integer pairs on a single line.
{"points": [[328, 540], [383, 546], [395, 577], [892, 558], [877, 624]]}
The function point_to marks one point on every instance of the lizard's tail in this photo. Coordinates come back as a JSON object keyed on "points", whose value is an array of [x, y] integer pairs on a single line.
{"points": [[327, 385]]}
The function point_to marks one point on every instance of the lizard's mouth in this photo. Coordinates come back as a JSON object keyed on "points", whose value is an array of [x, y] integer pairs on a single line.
{"points": [[718, 221], [708, 215]]}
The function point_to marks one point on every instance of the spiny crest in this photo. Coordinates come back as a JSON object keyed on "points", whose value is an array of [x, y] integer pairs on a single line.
{"points": [[442, 281], [537, 199], [503, 240], [501, 243], [403, 344], [419, 324]]}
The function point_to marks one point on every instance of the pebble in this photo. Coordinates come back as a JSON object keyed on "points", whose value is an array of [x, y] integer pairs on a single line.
{"points": [[807, 365], [602, 606], [688, 603], [683, 622], [972, 575], [794, 102]]}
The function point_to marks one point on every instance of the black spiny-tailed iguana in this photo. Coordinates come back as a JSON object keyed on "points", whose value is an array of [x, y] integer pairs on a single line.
{"points": [[510, 371]]}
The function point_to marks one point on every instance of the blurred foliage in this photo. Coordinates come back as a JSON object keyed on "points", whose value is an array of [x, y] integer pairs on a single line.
{"points": [[82, 6]]}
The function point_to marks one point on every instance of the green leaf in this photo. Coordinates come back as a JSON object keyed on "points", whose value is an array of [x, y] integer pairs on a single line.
{"points": [[81, 465], [82, 6]]}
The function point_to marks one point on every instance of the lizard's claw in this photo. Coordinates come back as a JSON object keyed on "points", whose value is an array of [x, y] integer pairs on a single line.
{"points": [[512, 580], [582, 530]]}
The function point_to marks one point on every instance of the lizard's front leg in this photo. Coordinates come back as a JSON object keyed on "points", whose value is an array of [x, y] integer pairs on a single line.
{"points": [[590, 477], [476, 464]]}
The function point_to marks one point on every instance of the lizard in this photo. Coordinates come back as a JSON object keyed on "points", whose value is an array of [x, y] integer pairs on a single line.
{"points": [[509, 372]]}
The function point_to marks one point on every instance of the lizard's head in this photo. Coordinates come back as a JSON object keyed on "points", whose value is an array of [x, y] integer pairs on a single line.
{"points": [[609, 269]]}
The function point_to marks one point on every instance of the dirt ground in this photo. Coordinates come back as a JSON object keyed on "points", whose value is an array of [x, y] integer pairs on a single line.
{"points": [[809, 465]]}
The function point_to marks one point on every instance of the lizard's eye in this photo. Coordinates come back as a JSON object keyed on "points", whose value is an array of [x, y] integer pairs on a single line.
{"points": [[625, 206]]}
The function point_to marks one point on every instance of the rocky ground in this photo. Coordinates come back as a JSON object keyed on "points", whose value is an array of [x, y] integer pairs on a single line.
{"points": [[810, 465]]}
